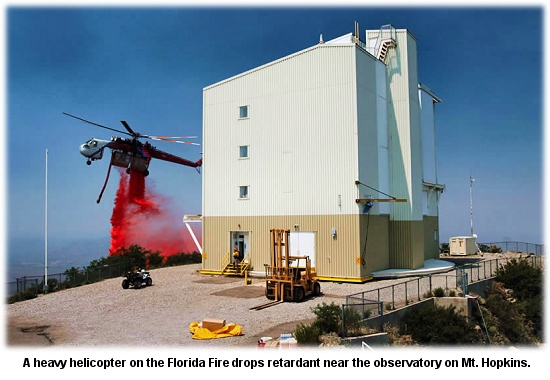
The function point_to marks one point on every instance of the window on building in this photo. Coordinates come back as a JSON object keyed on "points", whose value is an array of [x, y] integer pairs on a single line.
{"points": [[243, 112], [243, 192], [243, 151], [436, 235]]}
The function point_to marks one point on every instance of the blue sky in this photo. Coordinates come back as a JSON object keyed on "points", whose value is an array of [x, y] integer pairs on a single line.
{"points": [[148, 66]]}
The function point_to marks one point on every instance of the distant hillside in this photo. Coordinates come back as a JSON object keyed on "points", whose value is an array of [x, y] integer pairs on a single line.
{"points": [[26, 256]]}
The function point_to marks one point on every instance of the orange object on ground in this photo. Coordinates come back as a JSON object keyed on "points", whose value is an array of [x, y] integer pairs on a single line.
{"points": [[213, 324]]}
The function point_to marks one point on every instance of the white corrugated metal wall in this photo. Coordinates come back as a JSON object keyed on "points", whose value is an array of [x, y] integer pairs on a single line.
{"points": [[427, 115], [300, 132], [367, 126], [404, 128], [383, 138], [429, 168]]}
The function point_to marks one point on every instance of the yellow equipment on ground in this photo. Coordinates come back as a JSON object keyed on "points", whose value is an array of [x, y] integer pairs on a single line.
{"points": [[288, 278], [202, 333]]}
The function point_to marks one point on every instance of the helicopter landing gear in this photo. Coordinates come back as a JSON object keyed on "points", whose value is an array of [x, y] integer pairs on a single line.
{"points": [[89, 162]]}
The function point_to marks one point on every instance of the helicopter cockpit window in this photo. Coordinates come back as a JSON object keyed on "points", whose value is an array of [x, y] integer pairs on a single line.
{"points": [[92, 143]]}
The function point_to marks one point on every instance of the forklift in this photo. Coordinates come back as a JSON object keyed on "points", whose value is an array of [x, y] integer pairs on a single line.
{"points": [[288, 278]]}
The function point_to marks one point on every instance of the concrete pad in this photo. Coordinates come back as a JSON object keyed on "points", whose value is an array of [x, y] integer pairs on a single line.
{"points": [[246, 291], [430, 266]]}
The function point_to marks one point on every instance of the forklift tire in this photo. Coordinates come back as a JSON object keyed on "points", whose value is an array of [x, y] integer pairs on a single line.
{"points": [[316, 289], [137, 284], [299, 294], [125, 284]]}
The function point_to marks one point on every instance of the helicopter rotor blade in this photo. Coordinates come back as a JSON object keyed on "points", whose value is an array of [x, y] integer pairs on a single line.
{"points": [[132, 133], [138, 135], [97, 125], [174, 141], [170, 137]]}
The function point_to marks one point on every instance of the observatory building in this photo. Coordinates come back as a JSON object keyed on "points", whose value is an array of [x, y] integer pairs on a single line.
{"points": [[335, 143]]}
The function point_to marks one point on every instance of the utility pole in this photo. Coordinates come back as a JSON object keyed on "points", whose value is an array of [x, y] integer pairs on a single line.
{"points": [[46, 232], [471, 207]]}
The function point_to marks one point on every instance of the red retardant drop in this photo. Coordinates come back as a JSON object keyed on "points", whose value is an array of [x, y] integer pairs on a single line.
{"points": [[141, 217]]}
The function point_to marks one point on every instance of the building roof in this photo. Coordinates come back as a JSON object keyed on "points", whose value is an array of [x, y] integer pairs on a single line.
{"points": [[321, 45]]}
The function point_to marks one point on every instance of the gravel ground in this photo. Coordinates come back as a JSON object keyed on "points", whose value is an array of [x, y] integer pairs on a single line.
{"points": [[104, 314]]}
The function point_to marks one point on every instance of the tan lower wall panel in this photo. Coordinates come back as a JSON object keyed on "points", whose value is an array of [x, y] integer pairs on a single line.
{"points": [[334, 257], [406, 244], [374, 245], [431, 246]]}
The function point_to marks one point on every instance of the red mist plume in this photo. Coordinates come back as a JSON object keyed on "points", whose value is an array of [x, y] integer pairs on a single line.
{"points": [[142, 217]]}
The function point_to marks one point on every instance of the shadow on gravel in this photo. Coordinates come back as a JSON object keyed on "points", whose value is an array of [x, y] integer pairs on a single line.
{"points": [[242, 292], [218, 280]]}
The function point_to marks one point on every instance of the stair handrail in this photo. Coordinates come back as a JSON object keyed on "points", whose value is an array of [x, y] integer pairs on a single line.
{"points": [[245, 260], [387, 32], [224, 261]]}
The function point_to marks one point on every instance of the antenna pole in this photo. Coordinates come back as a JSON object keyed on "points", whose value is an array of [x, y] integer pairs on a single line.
{"points": [[471, 207], [46, 231]]}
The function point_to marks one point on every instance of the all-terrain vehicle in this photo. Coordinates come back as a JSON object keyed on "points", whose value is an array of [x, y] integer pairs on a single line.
{"points": [[137, 279]]}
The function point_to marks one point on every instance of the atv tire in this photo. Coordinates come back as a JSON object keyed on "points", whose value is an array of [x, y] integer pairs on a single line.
{"points": [[137, 284], [125, 284], [149, 281]]}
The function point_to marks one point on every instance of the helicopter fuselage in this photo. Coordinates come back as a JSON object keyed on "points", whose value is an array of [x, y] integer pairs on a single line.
{"points": [[93, 148], [129, 154]]}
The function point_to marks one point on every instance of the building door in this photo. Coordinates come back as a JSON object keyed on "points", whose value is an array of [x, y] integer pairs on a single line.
{"points": [[240, 239], [303, 244]]}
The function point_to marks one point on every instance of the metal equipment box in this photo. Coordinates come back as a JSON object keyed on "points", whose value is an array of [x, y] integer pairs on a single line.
{"points": [[462, 246]]}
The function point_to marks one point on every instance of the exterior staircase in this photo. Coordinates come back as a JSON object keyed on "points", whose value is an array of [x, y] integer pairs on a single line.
{"points": [[383, 49], [386, 40], [242, 268]]}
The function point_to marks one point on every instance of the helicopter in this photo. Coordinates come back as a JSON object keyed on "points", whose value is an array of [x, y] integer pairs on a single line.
{"points": [[130, 153]]}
